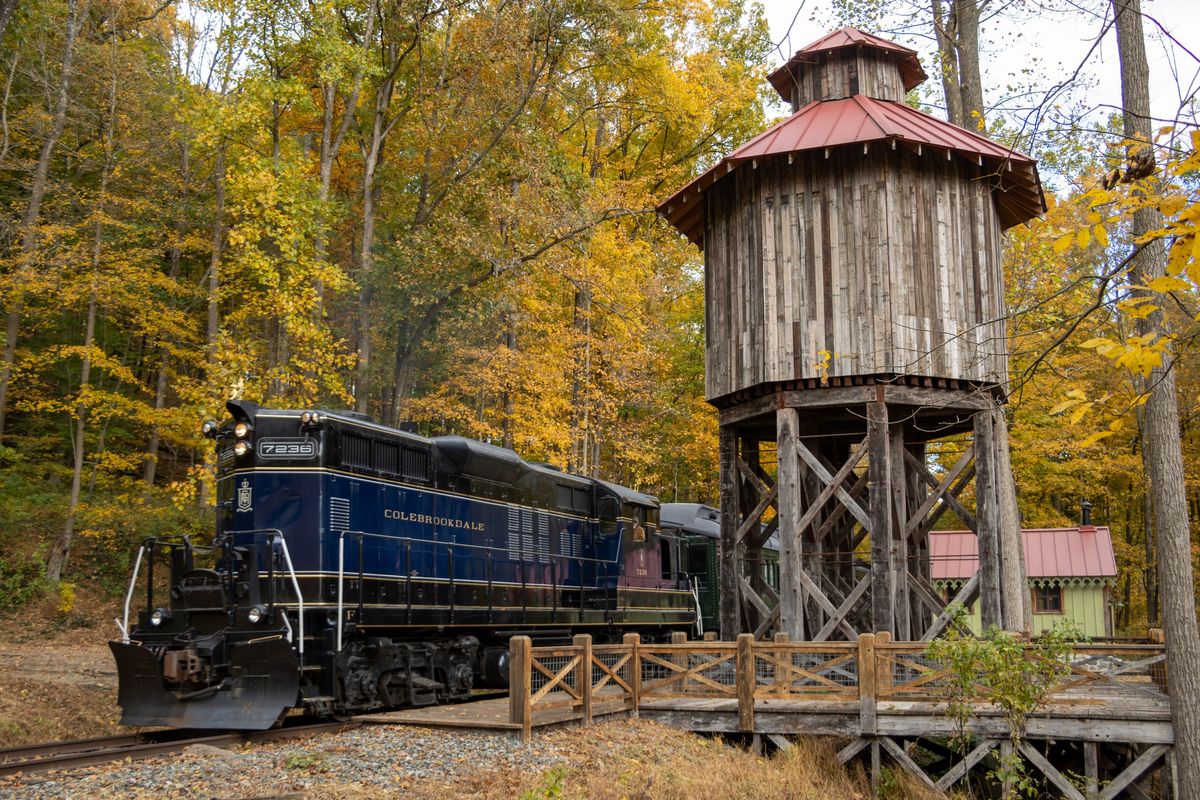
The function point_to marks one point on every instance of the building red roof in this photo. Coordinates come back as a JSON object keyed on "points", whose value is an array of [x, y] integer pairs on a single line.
{"points": [[1085, 552], [857, 120], [910, 66]]}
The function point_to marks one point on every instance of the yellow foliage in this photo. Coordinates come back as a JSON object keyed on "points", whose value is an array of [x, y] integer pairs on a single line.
{"points": [[66, 597]]}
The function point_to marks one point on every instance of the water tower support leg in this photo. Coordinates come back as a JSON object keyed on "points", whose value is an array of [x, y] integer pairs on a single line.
{"points": [[730, 616], [902, 546], [790, 489], [883, 566], [987, 521]]}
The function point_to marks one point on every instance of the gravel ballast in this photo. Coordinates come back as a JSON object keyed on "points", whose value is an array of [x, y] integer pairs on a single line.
{"points": [[370, 758]]}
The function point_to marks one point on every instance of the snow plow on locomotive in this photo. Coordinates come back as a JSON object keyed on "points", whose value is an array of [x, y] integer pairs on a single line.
{"points": [[357, 567]]}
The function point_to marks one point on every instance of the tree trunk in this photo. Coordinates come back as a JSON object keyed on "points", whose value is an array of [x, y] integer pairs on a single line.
{"points": [[380, 127], [1163, 453], [33, 208], [510, 344], [7, 7], [150, 468], [61, 548], [945, 30], [581, 421], [214, 287], [1150, 576], [969, 78]]}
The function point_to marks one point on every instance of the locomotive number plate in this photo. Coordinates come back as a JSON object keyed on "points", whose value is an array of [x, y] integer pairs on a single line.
{"points": [[286, 449]]}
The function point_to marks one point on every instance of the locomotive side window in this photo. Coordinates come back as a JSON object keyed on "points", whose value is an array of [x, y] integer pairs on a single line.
{"points": [[580, 500], [667, 557], [697, 560], [562, 496]]}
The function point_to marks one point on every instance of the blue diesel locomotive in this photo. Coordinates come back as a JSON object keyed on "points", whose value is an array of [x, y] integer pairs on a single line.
{"points": [[358, 567]]}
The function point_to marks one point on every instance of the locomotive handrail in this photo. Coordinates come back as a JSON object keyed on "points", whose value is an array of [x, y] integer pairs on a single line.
{"points": [[287, 556], [467, 546], [271, 533], [137, 566]]}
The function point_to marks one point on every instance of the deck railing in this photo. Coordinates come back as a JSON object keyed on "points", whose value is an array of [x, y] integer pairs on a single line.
{"points": [[569, 681]]}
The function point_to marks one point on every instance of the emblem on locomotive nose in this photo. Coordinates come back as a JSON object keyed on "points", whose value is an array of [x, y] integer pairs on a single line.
{"points": [[244, 496]]}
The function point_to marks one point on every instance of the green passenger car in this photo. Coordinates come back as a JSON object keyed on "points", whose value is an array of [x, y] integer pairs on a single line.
{"points": [[698, 529]]}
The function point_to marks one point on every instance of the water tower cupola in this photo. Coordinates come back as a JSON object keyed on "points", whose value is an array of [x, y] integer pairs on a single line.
{"points": [[845, 63]]}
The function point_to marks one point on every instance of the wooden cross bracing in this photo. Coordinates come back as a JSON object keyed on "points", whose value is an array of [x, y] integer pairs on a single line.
{"points": [[853, 511]]}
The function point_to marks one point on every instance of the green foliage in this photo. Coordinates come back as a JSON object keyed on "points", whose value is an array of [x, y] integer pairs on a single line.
{"points": [[305, 762], [21, 580], [550, 787], [1004, 670]]}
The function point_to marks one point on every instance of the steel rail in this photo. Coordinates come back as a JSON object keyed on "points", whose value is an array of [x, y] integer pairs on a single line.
{"points": [[91, 752]]}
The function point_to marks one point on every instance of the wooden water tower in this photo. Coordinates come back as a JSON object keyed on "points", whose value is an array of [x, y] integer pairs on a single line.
{"points": [[855, 313]]}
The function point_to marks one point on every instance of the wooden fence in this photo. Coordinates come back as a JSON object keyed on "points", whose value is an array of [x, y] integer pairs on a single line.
{"points": [[568, 682]]}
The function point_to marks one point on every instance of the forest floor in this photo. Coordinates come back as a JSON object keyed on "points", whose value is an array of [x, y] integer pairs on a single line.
{"points": [[57, 682], [57, 677]]}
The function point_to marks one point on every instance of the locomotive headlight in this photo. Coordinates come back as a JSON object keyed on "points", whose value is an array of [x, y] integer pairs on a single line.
{"points": [[311, 419], [242, 430], [256, 615], [158, 616], [209, 429], [242, 447]]}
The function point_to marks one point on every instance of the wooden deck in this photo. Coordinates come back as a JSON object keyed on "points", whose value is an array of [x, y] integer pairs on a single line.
{"points": [[1107, 719], [495, 715]]}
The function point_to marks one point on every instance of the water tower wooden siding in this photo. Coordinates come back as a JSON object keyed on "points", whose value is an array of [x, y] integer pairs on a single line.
{"points": [[854, 313]]}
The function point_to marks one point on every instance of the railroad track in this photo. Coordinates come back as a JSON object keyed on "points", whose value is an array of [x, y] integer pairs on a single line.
{"points": [[152, 744]]}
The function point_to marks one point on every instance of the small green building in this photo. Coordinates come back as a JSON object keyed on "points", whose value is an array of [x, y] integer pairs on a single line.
{"points": [[1071, 572]]}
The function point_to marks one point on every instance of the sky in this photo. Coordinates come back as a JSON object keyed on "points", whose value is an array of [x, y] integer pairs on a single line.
{"points": [[1053, 47]]}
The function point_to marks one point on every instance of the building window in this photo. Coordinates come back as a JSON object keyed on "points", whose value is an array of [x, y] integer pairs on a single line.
{"points": [[951, 592], [1047, 600]]}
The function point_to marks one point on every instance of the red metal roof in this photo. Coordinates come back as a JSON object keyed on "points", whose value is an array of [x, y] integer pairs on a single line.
{"points": [[860, 119], [1049, 553], [910, 66]]}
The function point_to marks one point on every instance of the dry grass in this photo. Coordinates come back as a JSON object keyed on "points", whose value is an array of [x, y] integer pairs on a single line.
{"points": [[33, 712], [631, 760]]}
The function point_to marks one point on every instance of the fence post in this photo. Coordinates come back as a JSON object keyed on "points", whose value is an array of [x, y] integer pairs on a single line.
{"points": [[745, 679], [680, 659], [520, 656], [1158, 672], [635, 670], [866, 683], [583, 674], [781, 655], [884, 679], [709, 636]]}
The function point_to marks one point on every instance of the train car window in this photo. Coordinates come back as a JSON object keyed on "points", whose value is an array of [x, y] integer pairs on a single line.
{"points": [[580, 501], [356, 451], [416, 464], [697, 559], [607, 509], [562, 496], [387, 458], [667, 556]]}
